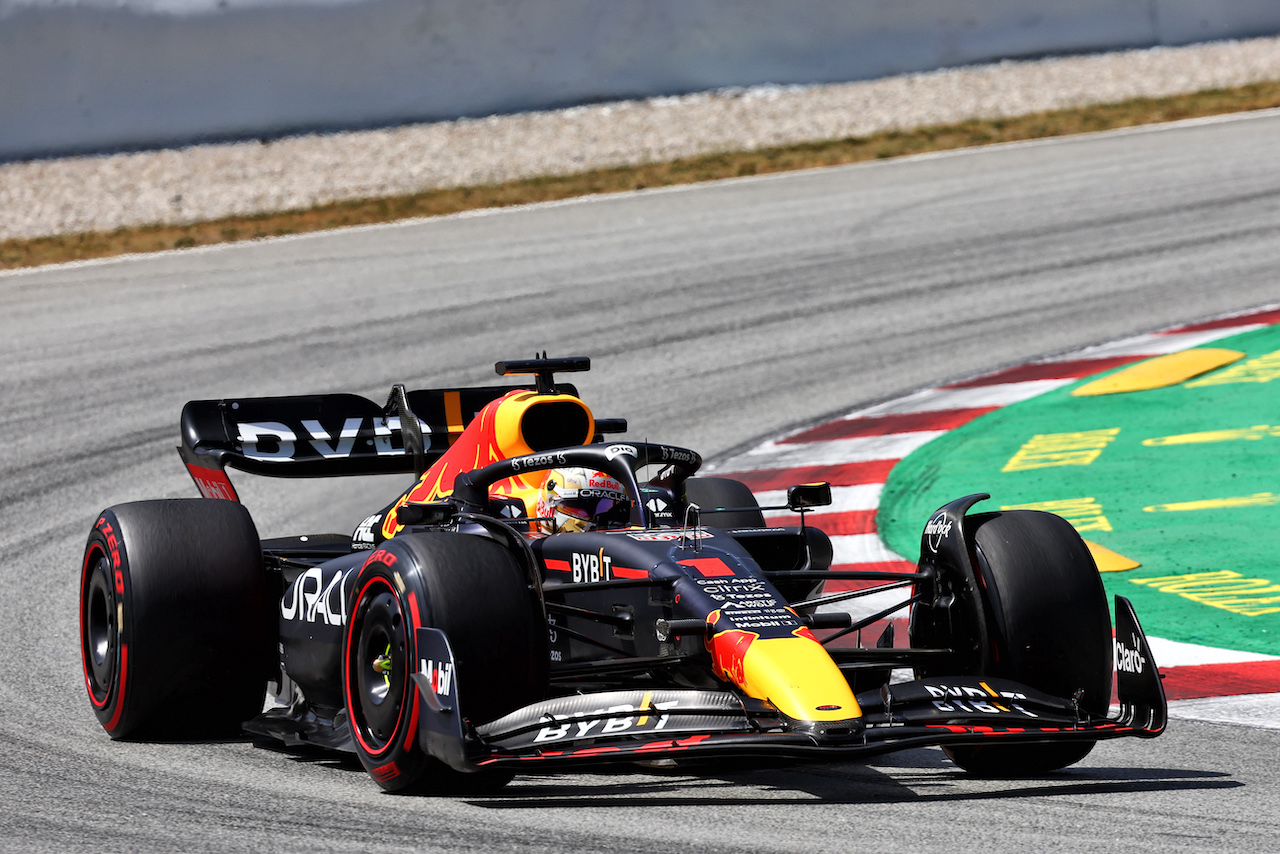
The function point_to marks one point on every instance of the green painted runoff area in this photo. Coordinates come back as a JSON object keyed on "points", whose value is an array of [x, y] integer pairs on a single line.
{"points": [[1182, 479]]}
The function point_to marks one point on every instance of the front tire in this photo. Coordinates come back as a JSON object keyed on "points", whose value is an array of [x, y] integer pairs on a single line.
{"points": [[1037, 614], [477, 593], [173, 619]]}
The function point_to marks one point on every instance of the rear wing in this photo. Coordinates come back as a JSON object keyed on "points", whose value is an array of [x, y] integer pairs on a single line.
{"points": [[325, 435]]}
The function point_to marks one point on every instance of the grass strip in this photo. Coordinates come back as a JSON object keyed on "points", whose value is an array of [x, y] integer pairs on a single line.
{"points": [[151, 238]]}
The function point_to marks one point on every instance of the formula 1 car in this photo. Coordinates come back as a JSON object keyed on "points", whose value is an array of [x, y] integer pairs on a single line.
{"points": [[463, 633]]}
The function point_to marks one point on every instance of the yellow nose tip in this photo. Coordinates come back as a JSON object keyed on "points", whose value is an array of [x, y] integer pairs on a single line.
{"points": [[797, 676]]}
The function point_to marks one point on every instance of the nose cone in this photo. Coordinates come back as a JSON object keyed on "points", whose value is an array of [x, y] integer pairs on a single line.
{"points": [[793, 673]]}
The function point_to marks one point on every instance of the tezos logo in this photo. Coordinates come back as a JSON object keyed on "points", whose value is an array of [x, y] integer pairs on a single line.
{"points": [[677, 455], [937, 529], [538, 461], [1129, 660], [615, 451]]}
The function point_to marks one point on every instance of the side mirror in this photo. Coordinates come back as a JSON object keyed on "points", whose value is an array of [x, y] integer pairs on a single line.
{"points": [[805, 495], [609, 425]]}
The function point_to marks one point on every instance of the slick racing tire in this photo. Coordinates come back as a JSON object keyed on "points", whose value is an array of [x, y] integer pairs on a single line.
{"points": [[1038, 616], [708, 492], [478, 594], [173, 619]]}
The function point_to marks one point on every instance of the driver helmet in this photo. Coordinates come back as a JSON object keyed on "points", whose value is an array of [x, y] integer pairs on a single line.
{"points": [[578, 499]]}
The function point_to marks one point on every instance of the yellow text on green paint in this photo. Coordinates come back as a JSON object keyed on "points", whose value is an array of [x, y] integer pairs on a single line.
{"points": [[1061, 449]]}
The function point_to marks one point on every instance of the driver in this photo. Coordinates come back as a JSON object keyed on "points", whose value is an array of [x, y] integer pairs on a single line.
{"points": [[578, 499]]}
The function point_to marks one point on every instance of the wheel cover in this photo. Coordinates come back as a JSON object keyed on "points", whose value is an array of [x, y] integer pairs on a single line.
{"points": [[378, 667], [99, 638]]}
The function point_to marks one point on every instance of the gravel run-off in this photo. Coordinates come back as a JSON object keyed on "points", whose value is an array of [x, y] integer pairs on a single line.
{"points": [[202, 182]]}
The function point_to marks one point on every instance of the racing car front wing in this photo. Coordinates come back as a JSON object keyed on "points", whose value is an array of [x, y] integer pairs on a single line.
{"points": [[635, 725]]}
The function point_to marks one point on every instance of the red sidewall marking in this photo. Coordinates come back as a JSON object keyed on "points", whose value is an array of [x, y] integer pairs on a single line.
{"points": [[84, 647], [346, 668], [124, 674]]}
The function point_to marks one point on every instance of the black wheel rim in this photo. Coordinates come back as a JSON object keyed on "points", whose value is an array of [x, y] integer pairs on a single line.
{"points": [[100, 634], [380, 671]]}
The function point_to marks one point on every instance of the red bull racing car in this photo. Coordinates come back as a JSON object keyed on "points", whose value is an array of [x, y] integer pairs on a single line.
{"points": [[545, 597]]}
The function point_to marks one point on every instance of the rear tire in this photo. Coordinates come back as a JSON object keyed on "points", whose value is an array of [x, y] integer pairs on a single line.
{"points": [[1038, 615], [709, 492], [173, 619], [477, 593]]}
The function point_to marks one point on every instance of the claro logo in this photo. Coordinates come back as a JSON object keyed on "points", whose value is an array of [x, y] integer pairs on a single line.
{"points": [[1128, 659], [311, 599]]}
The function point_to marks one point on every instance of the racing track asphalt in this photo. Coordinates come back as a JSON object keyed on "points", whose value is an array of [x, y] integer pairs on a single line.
{"points": [[715, 315]]}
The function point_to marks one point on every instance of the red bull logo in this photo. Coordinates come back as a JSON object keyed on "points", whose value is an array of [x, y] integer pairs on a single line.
{"points": [[728, 654]]}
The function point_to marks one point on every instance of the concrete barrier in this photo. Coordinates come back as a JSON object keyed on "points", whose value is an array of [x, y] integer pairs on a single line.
{"points": [[95, 75]]}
